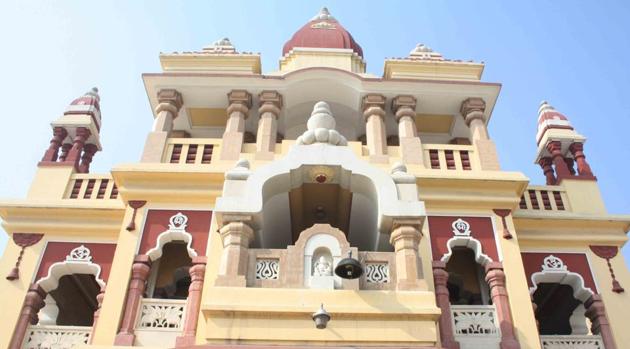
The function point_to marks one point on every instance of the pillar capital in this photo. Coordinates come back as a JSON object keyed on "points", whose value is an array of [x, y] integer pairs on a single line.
{"points": [[241, 97], [236, 233], [404, 105], [375, 103], [473, 108], [170, 100], [270, 97]]}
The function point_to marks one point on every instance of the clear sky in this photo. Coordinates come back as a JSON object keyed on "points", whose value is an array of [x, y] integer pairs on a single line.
{"points": [[572, 53]]}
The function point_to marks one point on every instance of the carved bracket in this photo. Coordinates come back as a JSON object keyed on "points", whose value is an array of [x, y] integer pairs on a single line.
{"points": [[135, 204], [23, 240], [608, 252], [504, 213]]}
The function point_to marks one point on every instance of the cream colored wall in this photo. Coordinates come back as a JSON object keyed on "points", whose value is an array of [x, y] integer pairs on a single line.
{"points": [[50, 182]]}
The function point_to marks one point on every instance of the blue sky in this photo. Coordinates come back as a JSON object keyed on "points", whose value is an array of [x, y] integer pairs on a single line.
{"points": [[572, 53]]}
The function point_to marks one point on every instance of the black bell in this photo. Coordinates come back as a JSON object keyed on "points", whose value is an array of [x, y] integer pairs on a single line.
{"points": [[349, 268]]}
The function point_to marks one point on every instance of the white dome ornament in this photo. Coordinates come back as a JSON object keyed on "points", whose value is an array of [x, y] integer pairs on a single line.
{"points": [[321, 128]]}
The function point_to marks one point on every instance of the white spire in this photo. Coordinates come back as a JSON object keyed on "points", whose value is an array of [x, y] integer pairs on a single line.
{"points": [[321, 127], [323, 14]]}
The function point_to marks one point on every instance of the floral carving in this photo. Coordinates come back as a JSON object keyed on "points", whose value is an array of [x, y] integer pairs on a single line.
{"points": [[377, 273], [267, 269], [56, 337], [161, 314], [571, 342], [474, 320]]}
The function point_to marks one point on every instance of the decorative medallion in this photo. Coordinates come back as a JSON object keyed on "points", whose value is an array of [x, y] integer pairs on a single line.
{"points": [[178, 222], [80, 254], [553, 263], [461, 228]]}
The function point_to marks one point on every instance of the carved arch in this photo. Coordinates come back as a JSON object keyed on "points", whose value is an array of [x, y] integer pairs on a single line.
{"points": [[468, 242], [78, 261], [176, 232], [554, 271]]}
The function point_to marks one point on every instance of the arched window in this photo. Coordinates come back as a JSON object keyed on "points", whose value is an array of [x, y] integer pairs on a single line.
{"points": [[169, 278], [466, 278], [558, 312], [72, 303]]}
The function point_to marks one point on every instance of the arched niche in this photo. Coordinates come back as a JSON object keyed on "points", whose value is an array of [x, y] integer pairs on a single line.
{"points": [[467, 242], [555, 271], [78, 261], [246, 192], [176, 232]]}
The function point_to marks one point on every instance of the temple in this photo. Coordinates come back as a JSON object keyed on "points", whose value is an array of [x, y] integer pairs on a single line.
{"points": [[313, 206]]}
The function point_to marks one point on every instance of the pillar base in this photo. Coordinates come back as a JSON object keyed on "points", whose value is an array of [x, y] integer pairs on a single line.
{"points": [[125, 339], [411, 150], [488, 157], [184, 341], [509, 344], [154, 147]]}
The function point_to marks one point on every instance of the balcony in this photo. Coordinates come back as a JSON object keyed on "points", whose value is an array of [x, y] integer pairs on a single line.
{"points": [[545, 198], [83, 186], [476, 326], [56, 337], [573, 342], [159, 322]]}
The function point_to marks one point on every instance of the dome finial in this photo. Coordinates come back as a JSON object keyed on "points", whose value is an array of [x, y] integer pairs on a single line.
{"points": [[324, 15], [321, 127]]}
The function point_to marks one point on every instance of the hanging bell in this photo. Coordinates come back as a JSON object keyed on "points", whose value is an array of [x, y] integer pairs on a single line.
{"points": [[14, 274], [349, 268]]}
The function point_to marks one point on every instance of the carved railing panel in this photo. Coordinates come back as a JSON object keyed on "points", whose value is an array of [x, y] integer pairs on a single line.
{"points": [[475, 321], [544, 198], [377, 273], [267, 269], [161, 314], [56, 337], [190, 150], [571, 342], [450, 157], [84, 186]]}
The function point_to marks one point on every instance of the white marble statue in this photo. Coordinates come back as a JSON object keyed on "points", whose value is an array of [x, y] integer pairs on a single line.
{"points": [[322, 267]]}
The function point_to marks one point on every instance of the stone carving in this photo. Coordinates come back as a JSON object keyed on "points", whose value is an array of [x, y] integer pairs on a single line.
{"points": [[553, 263], [322, 267], [377, 273], [267, 269], [57, 337], [474, 320], [161, 314], [80, 254], [321, 128], [571, 342], [461, 228]]}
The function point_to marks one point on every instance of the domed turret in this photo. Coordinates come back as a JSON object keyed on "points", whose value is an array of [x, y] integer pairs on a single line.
{"points": [[88, 104], [323, 36]]}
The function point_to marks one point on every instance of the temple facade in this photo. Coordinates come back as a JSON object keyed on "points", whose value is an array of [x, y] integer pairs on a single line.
{"points": [[314, 206]]}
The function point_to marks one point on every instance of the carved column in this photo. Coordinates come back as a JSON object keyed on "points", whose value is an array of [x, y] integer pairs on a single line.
{"points": [[170, 102], [193, 303], [545, 164], [59, 134], [88, 153], [97, 313], [405, 238], [65, 149], [33, 302], [495, 277], [139, 274], [236, 237], [80, 138], [238, 110], [404, 108], [596, 312], [583, 168], [270, 104], [473, 111], [570, 165], [440, 278], [562, 170], [375, 132]]}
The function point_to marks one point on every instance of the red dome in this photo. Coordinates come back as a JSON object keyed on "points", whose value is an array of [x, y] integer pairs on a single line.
{"points": [[322, 31]]}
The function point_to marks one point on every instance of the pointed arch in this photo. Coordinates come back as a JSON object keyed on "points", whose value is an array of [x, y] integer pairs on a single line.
{"points": [[176, 232], [555, 271], [78, 261]]}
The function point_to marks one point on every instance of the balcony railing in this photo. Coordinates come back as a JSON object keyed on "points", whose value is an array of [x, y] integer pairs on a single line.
{"points": [[190, 150], [573, 342], [159, 321], [544, 198], [56, 337], [476, 326], [450, 157], [91, 187]]}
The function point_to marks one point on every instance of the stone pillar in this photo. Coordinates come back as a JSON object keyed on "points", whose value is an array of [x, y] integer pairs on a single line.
{"points": [[65, 149], [236, 237], [238, 110], [139, 274], [596, 312], [80, 138], [440, 278], [405, 238], [88, 153], [59, 134], [193, 303], [97, 313], [495, 277], [562, 171], [170, 102], [583, 168], [270, 104], [404, 108], [545, 164], [375, 132], [473, 109], [33, 302], [570, 165]]}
